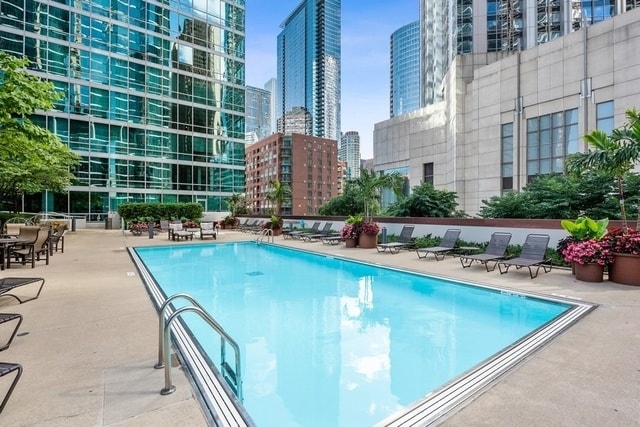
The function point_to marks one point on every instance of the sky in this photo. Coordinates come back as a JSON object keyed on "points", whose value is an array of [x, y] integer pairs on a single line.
{"points": [[367, 26]]}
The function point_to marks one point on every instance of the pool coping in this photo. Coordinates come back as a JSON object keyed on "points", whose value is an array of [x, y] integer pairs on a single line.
{"points": [[222, 406]]}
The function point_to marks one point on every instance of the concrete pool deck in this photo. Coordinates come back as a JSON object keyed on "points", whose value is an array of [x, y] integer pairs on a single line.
{"points": [[89, 342]]}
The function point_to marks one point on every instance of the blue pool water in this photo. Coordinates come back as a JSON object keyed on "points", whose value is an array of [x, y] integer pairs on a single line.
{"points": [[329, 342]]}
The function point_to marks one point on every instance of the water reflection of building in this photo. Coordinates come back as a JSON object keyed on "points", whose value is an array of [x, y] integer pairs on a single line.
{"points": [[153, 97]]}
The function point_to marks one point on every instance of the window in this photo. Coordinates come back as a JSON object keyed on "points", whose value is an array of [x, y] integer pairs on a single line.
{"points": [[604, 116], [427, 173], [550, 138], [507, 157]]}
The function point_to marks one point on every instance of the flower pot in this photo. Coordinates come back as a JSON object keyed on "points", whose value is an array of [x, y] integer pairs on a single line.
{"points": [[367, 241], [350, 243], [625, 269], [591, 272]]}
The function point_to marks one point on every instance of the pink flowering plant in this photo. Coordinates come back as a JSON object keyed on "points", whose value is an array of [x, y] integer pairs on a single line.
{"points": [[588, 252], [370, 228], [625, 241], [349, 231]]}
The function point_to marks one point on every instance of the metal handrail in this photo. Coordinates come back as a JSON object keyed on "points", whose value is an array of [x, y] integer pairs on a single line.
{"points": [[163, 345], [268, 233]]}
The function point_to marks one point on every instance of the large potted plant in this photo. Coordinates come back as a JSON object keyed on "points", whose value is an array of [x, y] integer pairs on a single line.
{"points": [[589, 258], [583, 228], [625, 247], [275, 225], [349, 234], [368, 235]]}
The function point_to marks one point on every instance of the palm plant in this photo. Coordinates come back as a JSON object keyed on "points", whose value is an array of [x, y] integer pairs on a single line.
{"points": [[369, 186], [614, 154], [279, 194]]}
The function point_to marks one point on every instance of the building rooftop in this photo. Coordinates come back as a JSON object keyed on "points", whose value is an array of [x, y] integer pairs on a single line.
{"points": [[89, 342]]}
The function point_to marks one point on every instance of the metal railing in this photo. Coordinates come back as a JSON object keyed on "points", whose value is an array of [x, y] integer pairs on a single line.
{"points": [[266, 233], [232, 376]]}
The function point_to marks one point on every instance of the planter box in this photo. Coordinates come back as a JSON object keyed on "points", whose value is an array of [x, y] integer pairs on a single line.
{"points": [[625, 269]]}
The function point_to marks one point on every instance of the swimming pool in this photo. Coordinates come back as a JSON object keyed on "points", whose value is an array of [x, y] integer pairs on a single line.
{"points": [[327, 341]]}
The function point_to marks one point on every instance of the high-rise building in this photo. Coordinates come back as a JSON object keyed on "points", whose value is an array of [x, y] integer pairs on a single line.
{"points": [[405, 69], [513, 103], [349, 152], [271, 86], [153, 97], [309, 65], [307, 164], [258, 111]]}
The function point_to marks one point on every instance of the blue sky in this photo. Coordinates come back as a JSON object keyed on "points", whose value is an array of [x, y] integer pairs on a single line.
{"points": [[366, 28]]}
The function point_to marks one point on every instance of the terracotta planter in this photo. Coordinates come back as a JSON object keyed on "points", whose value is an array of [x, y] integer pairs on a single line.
{"points": [[368, 241], [625, 269], [589, 272], [350, 243]]}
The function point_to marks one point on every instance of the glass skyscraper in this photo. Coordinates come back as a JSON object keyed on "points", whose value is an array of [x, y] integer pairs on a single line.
{"points": [[154, 96], [309, 65], [405, 69]]}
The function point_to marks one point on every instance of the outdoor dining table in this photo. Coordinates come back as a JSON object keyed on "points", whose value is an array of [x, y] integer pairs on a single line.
{"points": [[6, 243]]}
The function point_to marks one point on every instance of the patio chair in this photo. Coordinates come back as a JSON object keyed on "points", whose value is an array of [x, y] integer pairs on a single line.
{"points": [[494, 252], [58, 238], [6, 369], [164, 225], [208, 229], [8, 284], [447, 245], [295, 235], [312, 237], [32, 250], [404, 240], [7, 318], [532, 255], [332, 240]]}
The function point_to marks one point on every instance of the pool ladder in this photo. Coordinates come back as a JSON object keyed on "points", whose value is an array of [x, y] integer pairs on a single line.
{"points": [[231, 375], [266, 233]]}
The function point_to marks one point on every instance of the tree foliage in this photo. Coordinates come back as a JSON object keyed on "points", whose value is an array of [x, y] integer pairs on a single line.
{"points": [[613, 154], [347, 203], [565, 196], [368, 188], [279, 194], [32, 159], [425, 201]]}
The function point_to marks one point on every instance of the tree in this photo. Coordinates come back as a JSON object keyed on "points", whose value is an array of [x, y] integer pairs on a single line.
{"points": [[32, 159], [344, 204], [425, 200], [237, 204], [279, 194], [614, 154], [369, 185]]}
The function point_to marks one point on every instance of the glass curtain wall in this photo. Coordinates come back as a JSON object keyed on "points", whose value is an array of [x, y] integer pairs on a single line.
{"points": [[153, 99]]}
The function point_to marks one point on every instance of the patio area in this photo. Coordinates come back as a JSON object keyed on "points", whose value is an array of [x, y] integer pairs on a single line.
{"points": [[89, 343]]}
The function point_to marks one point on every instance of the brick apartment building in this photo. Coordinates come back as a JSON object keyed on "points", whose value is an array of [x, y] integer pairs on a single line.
{"points": [[308, 164]]}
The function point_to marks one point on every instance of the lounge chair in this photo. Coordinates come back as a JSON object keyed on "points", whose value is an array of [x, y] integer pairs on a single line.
{"points": [[6, 369], [404, 240], [532, 255], [311, 237], [295, 235], [58, 238], [332, 240], [447, 245], [8, 284], [32, 250], [494, 252], [7, 318], [208, 229], [248, 226]]}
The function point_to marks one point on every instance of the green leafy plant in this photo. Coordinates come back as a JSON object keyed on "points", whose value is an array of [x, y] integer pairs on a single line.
{"points": [[585, 228]]}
